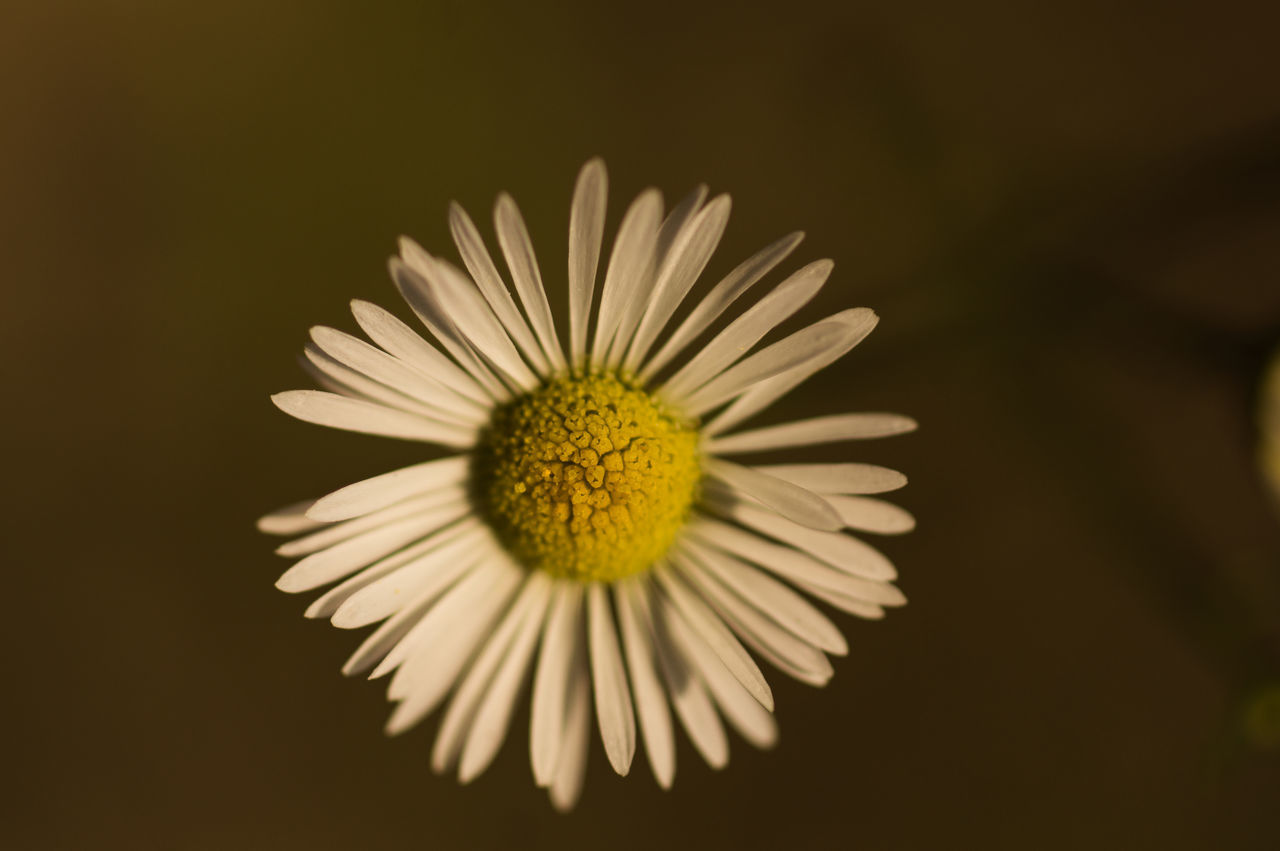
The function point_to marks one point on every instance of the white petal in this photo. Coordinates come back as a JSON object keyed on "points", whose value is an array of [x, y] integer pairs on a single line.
{"points": [[493, 717], [446, 634], [717, 636], [336, 376], [387, 489], [789, 500], [783, 649], [835, 548], [395, 374], [689, 696], [337, 532], [480, 264], [872, 515], [325, 605], [386, 637], [417, 293], [744, 332], [737, 282], [651, 703], [802, 569], [689, 255], [518, 249], [766, 392], [454, 553], [829, 429], [325, 380], [770, 596], [804, 345], [837, 478], [678, 222], [405, 343], [586, 230], [442, 649], [485, 583], [365, 548], [450, 300], [462, 304], [855, 585], [290, 520], [571, 765], [852, 605], [330, 409], [740, 708], [639, 297], [609, 681], [461, 714], [551, 682], [630, 263]]}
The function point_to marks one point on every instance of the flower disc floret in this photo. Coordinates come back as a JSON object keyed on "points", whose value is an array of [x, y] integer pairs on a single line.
{"points": [[588, 477]]}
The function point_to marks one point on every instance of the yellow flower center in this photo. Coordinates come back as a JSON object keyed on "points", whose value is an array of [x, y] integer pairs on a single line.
{"points": [[588, 477]]}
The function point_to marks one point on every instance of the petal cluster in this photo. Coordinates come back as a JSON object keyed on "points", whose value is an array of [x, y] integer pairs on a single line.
{"points": [[464, 622]]}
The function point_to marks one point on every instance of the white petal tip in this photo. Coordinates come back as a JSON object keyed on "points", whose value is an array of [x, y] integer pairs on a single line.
{"points": [[823, 523], [272, 525], [381, 670], [289, 584], [562, 805], [621, 762], [364, 310], [316, 610], [348, 618], [327, 513], [285, 400], [408, 246]]}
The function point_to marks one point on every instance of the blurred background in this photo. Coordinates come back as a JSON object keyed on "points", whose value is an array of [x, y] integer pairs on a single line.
{"points": [[1067, 215]]}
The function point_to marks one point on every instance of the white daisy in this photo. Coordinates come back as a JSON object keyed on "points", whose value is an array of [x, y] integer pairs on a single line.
{"points": [[586, 523]]}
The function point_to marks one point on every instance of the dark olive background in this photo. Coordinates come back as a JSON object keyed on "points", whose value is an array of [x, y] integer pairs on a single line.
{"points": [[1067, 215]]}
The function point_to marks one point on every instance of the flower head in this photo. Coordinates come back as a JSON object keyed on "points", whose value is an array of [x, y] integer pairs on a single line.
{"points": [[586, 524], [587, 478]]}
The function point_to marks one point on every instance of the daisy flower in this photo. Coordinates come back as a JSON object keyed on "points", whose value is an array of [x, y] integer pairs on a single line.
{"points": [[586, 527]]}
